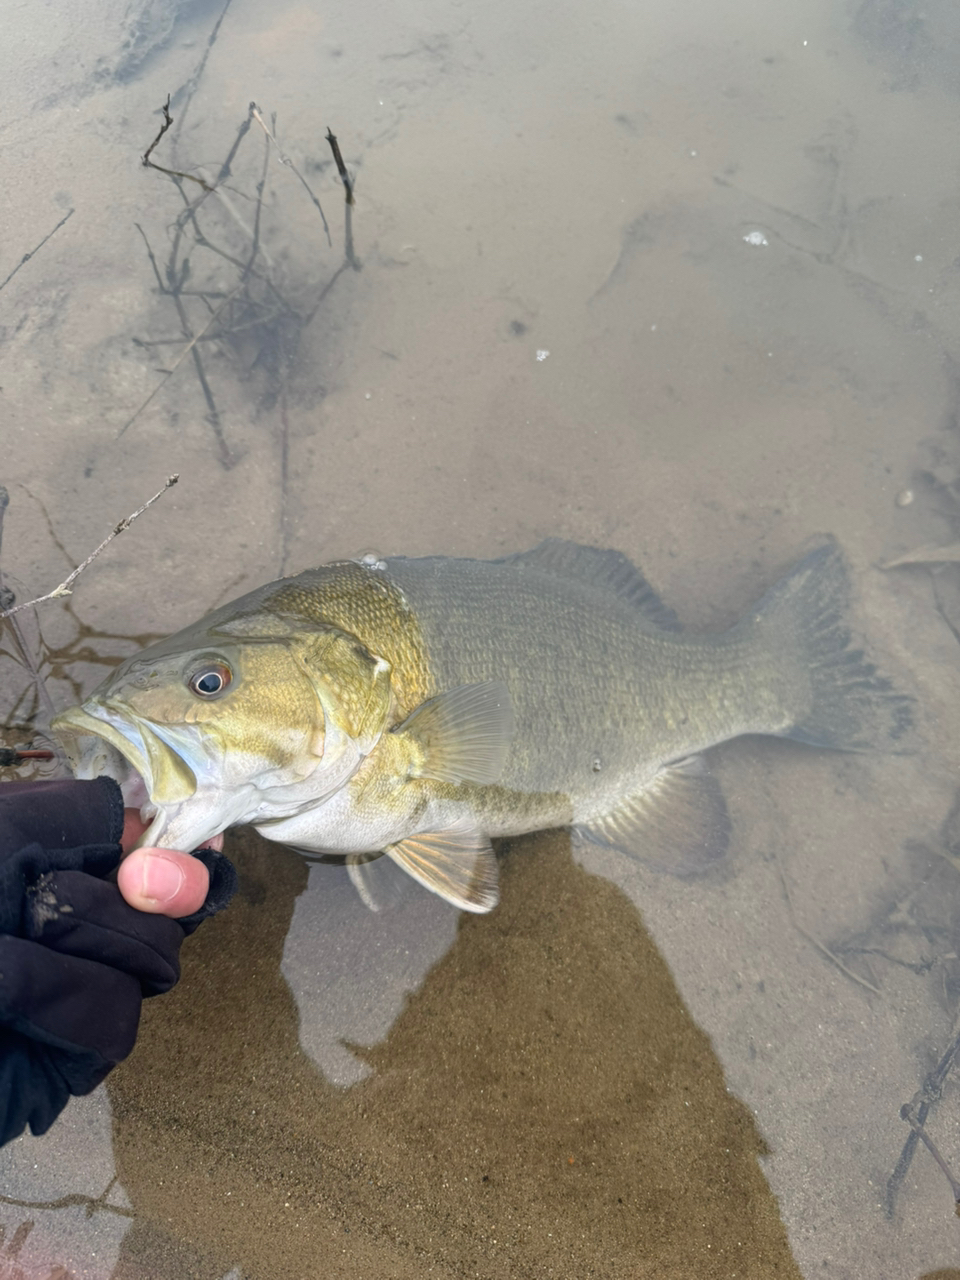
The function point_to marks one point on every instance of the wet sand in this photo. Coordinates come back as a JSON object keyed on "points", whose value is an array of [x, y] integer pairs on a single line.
{"points": [[544, 1106], [732, 231]]}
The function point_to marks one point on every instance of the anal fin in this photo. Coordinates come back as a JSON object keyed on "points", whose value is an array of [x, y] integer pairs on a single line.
{"points": [[458, 864], [679, 823]]}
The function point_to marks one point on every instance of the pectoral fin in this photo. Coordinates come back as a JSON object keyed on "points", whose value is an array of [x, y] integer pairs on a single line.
{"points": [[459, 865], [679, 823], [463, 734]]}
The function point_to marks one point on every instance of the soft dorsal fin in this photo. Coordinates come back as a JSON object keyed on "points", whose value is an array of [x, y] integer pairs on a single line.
{"points": [[464, 734], [457, 864], [678, 823], [610, 569]]}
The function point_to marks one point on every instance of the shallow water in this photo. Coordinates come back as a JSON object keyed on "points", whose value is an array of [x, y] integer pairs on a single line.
{"points": [[681, 282]]}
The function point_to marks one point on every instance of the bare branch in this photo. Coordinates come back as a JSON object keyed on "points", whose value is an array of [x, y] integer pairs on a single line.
{"points": [[26, 655], [341, 167], [814, 941], [180, 358], [27, 256], [288, 163], [65, 587]]}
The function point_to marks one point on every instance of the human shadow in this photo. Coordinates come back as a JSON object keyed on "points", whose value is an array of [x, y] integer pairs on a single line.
{"points": [[544, 1104]]}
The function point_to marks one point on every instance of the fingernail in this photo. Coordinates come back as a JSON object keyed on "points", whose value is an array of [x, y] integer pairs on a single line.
{"points": [[162, 878]]}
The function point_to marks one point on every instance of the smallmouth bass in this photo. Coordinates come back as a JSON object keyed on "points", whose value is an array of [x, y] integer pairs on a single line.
{"points": [[418, 707]]}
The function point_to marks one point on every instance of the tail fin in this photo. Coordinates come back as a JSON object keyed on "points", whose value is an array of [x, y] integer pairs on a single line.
{"points": [[847, 704]]}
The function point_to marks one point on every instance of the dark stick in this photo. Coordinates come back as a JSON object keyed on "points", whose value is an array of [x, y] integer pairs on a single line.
{"points": [[906, 1113], [341, 167], [915, 1113], [152, 164], [27, 256], [9, 756], [348, 187], [167, 122]]}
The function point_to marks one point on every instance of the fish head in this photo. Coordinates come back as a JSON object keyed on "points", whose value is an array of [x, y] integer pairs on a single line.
{"points": [[252, 717]]}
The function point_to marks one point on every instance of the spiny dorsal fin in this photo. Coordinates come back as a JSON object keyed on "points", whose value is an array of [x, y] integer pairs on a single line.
{"points": [[679, 823], [464, 734], [459, 865], [610, 569]]}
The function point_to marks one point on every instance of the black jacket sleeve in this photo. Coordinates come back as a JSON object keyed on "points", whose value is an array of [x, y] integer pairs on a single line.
{"points": [[75, 958]]}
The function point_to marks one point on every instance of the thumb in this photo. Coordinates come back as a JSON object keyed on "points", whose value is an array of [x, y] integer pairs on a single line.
{"points": [[163, 882]]}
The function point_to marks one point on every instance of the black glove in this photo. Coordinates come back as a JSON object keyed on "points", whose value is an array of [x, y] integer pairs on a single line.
{"points": [[75, 958]]}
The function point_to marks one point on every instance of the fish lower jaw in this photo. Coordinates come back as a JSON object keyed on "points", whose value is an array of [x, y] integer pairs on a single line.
{"points": [[136, 795]]}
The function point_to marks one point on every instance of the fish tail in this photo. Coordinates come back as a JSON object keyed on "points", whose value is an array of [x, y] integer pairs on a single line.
{"points": [[842, 701]]}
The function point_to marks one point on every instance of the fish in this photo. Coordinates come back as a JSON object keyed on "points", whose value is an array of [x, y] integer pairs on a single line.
{"points": [[407, 711]]}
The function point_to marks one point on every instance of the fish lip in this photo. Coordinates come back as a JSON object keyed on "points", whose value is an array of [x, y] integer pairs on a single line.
{"points": [[85, 720], [140, 747]]}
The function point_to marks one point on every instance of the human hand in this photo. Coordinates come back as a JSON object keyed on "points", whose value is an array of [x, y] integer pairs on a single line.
{"points": [[161, 881], [76, 960]]}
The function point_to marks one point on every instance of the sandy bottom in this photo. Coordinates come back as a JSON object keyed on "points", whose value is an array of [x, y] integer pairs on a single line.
{"points": [[676, 280]]}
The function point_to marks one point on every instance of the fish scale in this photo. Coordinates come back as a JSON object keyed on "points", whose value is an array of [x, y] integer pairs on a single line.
{"points": [[419, 707]]}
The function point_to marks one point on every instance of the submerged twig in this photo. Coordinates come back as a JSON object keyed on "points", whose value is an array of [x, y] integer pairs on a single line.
{"points": [[915, 1112], [341, 167], [180, 358], [27, 256], [814, 941], [285, 160], [65, 587], [907, 1113], [177, 271], [167, 122], [257, 318], [92, 1204], [7, 609], [926, 556], [152, 164], [348, 188]]}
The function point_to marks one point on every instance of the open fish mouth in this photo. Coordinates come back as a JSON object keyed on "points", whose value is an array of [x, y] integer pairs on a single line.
{"points": [[151, 774]]}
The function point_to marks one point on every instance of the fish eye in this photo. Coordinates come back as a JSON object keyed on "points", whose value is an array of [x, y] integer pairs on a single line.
{"points": [[210, 680]]}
